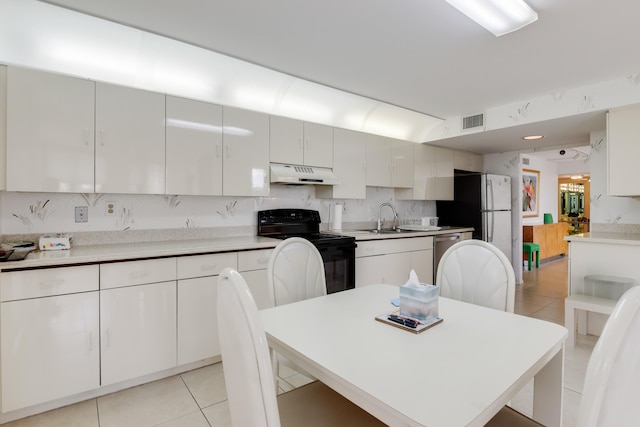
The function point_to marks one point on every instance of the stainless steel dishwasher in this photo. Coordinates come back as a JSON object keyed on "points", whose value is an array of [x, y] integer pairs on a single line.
{"points": [[444, 242]]}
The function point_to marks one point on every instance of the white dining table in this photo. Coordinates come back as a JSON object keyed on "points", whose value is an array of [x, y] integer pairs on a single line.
{"points": [[457, 373]]}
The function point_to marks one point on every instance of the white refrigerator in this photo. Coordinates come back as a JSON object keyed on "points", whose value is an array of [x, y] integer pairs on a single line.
{"points": [[482, 201]]}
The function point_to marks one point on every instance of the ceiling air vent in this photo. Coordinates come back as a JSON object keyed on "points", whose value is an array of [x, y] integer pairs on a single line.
{"points": [[473, 122], [525, 161]]}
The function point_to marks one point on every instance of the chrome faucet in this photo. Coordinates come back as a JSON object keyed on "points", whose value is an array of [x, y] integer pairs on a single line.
{"points": [[395, 215]]}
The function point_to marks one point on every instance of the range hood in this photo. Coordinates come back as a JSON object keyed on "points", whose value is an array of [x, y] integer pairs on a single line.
{"points": [[296, 174]]}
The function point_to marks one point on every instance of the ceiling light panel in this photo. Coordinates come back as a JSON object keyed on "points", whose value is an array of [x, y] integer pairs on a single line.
{"points": [[498, 16]]}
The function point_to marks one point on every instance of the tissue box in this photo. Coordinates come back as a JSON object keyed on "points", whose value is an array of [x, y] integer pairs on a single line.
{"points": [[419, 302]]}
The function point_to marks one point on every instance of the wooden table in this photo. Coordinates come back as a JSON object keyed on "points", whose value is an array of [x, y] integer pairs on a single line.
{"points": [[458, 373]]}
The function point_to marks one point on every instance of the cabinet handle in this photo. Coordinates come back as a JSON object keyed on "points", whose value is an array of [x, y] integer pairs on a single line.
{"points": [[138, 274], [306, 143], [208, 267], [263, 260], [85, 134], [218, 150], [227, 150], [101, 133], [300, 143]]}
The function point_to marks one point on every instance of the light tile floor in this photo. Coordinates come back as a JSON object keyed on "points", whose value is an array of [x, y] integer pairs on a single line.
{"points": [[198, 398]]}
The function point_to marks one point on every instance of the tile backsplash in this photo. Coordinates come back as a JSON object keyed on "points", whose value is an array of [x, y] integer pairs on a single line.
{"points": [[36, 213]]}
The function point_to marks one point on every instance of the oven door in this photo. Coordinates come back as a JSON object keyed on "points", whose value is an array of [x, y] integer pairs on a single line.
{"points": [[339, 266]]}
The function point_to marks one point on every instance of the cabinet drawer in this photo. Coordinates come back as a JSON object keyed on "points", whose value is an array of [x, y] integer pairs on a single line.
{"points": [[205, 265], [130, 273], [254, 260], [16, 285], [390, 246]]}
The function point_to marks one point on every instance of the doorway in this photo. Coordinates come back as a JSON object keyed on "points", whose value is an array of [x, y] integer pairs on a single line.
{"points": [[573, 202]]}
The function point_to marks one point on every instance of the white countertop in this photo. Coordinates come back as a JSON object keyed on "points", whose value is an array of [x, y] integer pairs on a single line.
{"points": [[88, 254], [129, 251], [603, 237]]}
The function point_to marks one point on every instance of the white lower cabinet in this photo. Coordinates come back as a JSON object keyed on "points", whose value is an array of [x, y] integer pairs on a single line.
{"points": [[252, 265], [389, 261], [197, 300], [138, 331], [49, 344], [137, 321]]}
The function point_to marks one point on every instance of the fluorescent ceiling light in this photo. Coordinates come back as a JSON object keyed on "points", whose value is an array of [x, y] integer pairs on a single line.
{"points": [[532, 137], [498, 16]]}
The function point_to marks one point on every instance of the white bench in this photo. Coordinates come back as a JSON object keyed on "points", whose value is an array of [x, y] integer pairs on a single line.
{"points": [[599, 294]]}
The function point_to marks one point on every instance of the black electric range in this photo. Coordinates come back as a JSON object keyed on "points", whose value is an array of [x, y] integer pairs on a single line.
{"points": [[338, 252]]}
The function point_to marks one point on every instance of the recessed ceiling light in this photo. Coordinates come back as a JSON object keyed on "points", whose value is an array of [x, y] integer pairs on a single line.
{"points": [[532, 137]]}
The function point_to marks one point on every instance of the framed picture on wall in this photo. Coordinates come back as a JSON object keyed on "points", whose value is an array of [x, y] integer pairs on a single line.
{"points": [[530, 192]]}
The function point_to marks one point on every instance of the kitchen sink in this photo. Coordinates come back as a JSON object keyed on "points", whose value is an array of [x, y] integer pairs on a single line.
{"points": [[387, 231]]}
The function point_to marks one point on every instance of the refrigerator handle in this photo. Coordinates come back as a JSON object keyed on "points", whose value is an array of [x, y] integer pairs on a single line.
{"points": [[490, 185], [493, 221]]}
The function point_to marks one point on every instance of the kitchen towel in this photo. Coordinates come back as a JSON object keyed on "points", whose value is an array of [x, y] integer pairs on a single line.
{"points": [[336, 218]]}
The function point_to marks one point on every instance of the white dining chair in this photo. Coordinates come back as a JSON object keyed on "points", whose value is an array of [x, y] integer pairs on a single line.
{"points": [[612, 381], [249, 377], [295, 272], [477, 272]]}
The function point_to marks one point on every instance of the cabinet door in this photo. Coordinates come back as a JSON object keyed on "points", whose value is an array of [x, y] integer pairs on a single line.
{"points": [[3, 125], [444, 174], [138, 331], [50, 132], [422, 263], [378, 161], [246, 153], [623, 151], [50, 349], [423, 175], [318, 145], [197, 319], [130, 141], [350, 165], [466, 161], [286, 140], [194, 147], [402, 163], [392, 269]]}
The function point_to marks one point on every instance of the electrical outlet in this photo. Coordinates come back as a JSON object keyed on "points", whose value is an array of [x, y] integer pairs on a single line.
{"points": [[110, 208], [82, 213]]}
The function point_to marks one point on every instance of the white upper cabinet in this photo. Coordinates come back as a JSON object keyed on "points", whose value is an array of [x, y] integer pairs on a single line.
{"points": [[245, 153], [378, 161], [389, 162], [349, 164], [3, 125], [130, 140], [433, 174], [623, 151], [194, 147], [300, 143], [466, 161], [401, 163], [50, 132], [443, 174]]}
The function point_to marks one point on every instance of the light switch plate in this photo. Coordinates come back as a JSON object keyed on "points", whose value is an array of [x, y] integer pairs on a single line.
{"points": [[82, 213]]}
